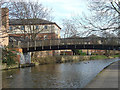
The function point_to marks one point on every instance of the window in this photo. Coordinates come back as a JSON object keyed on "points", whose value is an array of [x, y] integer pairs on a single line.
{"points": [[45, 27], [22, 27], [45, 37], [37, 27], [10, 28], [26, 36]]}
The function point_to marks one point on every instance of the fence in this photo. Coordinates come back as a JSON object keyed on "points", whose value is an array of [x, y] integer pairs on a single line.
{"points": [[67, 41]]}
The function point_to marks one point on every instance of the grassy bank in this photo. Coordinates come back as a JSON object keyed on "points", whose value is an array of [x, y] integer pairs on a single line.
{"points": [[58, 59], [97, 57], [65, 59]]}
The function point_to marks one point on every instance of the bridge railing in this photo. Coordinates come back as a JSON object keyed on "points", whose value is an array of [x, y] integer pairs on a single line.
{"points": [[68, 41]]}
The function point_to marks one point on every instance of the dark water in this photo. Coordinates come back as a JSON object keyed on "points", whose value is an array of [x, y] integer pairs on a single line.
{"points": [[69, 75]]}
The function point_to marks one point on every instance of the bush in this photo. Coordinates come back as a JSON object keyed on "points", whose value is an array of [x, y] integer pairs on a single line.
{"points": [[8, 56], [79, 52], [83, 54]]}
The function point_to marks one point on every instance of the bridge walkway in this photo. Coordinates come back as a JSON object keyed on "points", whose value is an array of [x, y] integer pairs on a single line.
{"points": [[61, 43]]}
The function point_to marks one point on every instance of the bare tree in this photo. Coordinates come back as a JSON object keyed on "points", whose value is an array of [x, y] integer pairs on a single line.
{"points": [[69, 28], [104, 15], [28, 13]]}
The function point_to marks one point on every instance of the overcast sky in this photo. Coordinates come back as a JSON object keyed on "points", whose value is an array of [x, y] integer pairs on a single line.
{"points": [[65, 8]]}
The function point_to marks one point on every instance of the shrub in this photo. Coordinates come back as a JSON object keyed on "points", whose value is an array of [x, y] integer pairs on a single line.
{"points": [[8, 56]]}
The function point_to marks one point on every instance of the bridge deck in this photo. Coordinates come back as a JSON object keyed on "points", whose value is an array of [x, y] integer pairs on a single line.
{"points": [[58, 44]]}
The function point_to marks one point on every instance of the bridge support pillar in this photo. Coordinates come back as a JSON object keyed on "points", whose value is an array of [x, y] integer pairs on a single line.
{"points": [[25, 58]]}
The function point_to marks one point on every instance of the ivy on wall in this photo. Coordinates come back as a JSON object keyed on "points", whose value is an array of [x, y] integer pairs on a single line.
{"points": [[8, 56]]}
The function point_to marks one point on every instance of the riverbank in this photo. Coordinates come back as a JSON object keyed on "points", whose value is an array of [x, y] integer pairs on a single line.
{"points": [[107, 78], [58, 59], [64, 75], [15, 66], [67, 59]]}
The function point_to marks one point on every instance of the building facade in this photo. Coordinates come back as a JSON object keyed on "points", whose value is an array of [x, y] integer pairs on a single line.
{"points": [[27, 29], [4, 26], [35, 29]]}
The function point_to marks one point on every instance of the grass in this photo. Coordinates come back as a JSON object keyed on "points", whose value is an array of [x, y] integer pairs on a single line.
{"points": [[115, 56], [58, 59], [98, 57]]}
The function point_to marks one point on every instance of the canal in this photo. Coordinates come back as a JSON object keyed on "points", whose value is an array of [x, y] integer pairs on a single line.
{"points": [[67, 75]]}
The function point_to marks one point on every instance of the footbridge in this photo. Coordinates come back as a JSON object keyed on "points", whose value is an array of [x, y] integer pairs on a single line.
{"points": [[112, 43]]}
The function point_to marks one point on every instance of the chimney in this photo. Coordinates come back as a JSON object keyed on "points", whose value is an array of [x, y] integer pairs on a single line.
{"points": [[5, 17], [4, 38]]}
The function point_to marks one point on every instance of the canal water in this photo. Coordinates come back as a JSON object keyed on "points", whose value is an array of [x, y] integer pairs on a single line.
{"points": [[68, 75]]}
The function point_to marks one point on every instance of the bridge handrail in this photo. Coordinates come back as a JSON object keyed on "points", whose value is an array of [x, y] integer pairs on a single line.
{"points": [[67, 41]]}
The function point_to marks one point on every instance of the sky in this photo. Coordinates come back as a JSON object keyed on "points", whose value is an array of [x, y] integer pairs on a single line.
{"points": [[63, 9]]}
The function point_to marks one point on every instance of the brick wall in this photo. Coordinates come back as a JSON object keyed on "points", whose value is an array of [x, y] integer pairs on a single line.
{"points": [[40, 36], [4, 40], [5, 17]]}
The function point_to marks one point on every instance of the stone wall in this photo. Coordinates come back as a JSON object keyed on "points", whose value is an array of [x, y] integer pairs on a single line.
{"points": [[58, 59], [25, 58], [74, 58], [4, 26]]}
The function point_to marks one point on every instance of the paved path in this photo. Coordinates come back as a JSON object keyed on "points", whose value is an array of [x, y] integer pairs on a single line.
{"points": [[108, 78], [0, 80]]}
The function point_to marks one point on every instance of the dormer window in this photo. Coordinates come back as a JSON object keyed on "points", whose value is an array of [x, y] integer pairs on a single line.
{"points": [[10, 28], [45, 27], [22, 27], [45, 37]]}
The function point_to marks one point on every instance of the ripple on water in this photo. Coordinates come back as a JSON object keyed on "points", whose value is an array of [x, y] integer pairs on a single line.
{"points": [[75, 75]]}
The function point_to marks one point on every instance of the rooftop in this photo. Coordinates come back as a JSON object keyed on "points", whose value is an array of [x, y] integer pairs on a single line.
{"points": [[30, 22], [16, 38]]}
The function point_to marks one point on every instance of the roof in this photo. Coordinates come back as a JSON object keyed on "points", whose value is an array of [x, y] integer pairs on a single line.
{"points": [[74, 36], [16, 38], [93, 36], [30, 22]]}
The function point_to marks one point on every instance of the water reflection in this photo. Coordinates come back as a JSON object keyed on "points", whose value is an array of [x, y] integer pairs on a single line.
{"points": [[75, 75]]}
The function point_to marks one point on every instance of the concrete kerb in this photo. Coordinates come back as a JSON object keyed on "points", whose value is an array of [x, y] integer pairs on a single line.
{"points": [[0, 52], [0, 68]]}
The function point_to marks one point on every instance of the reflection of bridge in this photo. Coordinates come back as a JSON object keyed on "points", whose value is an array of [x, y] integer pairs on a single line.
{"points": [[69, 43]]}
